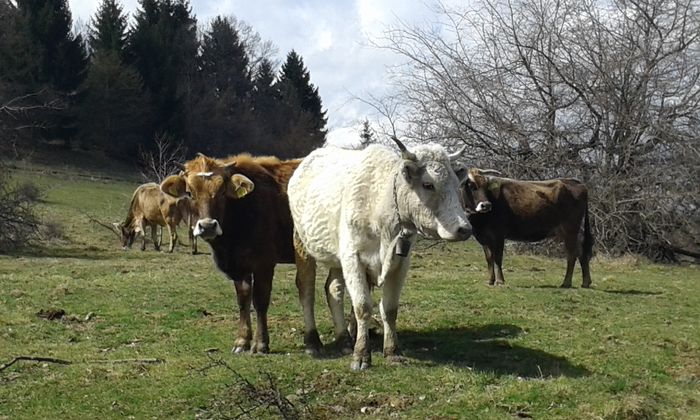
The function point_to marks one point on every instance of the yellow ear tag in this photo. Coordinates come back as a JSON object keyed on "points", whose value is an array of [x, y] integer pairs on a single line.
{"points": [[241, 192]]}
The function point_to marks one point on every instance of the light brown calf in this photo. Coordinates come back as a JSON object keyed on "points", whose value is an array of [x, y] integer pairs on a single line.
{"points": [[151, 207]]}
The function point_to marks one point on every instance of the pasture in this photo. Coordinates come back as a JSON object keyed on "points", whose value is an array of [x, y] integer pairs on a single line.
{"points": [[629, 348]]}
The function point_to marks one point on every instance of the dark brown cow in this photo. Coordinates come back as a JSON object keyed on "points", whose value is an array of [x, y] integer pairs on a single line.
{"points": [[529, 211], [244, 215], [150, 207]]}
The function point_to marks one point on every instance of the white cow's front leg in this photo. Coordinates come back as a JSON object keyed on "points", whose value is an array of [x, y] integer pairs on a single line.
{"points": [[361, 296], [389, 307]]}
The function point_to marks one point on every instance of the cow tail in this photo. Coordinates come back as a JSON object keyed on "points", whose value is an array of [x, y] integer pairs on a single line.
{"points": [[587, 237]]}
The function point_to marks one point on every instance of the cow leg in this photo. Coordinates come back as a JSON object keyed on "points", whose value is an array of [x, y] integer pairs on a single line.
{"points": [[389, 307], [143, 234], [498, 262], [572, 253], [154, 236], [262, 288], [335, 292], [361, 296], [489, 262], [306, 285], [193, 239], [585, 270], [172, 231], [243, 295]]}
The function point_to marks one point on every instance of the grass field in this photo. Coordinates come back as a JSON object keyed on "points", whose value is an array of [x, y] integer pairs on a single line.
{"points": [[627, 349]]}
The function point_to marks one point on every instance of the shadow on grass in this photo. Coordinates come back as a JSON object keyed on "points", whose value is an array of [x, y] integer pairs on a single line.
{"points": [[87, 253], [631, 292], [486, 349], [619, 292]]}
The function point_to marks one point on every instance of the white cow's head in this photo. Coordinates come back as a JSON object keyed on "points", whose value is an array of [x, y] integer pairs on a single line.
{"points": [[428, 192]]}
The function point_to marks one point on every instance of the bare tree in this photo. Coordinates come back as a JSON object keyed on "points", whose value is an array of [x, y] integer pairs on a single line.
{"points": [[607, 91], [162, 161]]}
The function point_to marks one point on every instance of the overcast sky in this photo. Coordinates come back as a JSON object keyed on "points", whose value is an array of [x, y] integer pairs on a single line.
{"points": [[331, 36]]}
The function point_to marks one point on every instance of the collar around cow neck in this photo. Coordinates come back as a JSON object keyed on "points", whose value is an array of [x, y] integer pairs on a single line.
{"points": [[405, 224]]}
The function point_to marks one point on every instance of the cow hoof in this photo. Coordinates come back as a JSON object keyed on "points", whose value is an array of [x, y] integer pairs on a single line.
{"points": [[586, 285], [240, 348], [312, 343], [396, 359], [361, 363], [565, 286], [313, 352], [261, 348], [358, 365], [344, 344]]}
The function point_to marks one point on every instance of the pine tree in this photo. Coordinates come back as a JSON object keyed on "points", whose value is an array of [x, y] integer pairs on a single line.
{"points": [[224, 117], [295, 84], [62, 60], [115, 112], [163, 48], [267, 109], [108, 28], [62, 55], [302, 109], [223, 60], [366, 134]]}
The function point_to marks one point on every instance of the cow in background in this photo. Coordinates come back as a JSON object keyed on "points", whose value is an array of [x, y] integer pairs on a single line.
{"points": [[243, 213], [358, 212], [149, 207], [529, 211]]}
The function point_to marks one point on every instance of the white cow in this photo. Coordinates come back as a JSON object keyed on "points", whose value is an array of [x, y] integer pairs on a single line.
{"points": [[358, 212]]}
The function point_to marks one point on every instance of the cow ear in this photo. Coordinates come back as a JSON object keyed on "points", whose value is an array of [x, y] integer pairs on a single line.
{"points": [[174, 185], [461, 174], [240, 186], [412, 171]]}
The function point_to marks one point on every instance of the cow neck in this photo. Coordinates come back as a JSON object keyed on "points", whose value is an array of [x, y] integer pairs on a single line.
{"points": [[405, 224]]}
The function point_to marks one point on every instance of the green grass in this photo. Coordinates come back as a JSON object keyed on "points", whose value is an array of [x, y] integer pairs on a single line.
{"points": [[627, 349]]}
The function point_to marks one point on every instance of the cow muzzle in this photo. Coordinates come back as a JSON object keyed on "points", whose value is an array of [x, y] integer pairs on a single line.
{"points": [[207, 229], [483, 207], [462, 233]]}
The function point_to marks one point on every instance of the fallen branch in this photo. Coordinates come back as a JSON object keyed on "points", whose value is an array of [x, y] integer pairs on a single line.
{"points": [[68, 362], [152, 361], [34, 359], [103, 224]]}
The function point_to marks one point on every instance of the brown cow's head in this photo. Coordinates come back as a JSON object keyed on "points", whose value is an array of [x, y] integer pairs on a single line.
{"points": [[475, 190], [211, 184], [127, 234]]}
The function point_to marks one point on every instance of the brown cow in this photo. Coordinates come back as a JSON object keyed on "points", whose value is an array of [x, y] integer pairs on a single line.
{"points": [[244, 215], [150, 207], [529, 211]]}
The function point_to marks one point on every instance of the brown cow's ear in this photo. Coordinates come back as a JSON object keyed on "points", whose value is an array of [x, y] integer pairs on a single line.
{"points": [[174, 185], [240, 186], [461, 174]]}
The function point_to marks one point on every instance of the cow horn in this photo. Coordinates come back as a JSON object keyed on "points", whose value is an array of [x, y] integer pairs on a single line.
{"points": [[405, 154], [180, 166], [454, 156], [490, 172], [200, 154]]}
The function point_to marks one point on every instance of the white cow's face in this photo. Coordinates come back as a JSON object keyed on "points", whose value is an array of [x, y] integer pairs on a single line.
{"points": [[430, 192]]}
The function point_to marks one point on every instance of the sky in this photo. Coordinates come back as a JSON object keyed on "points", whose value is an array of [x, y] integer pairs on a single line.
{"points": [[332, 36]]}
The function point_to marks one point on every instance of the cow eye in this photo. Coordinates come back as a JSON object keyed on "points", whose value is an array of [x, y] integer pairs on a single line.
{"points": [[429, 186], [472, 186]]}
